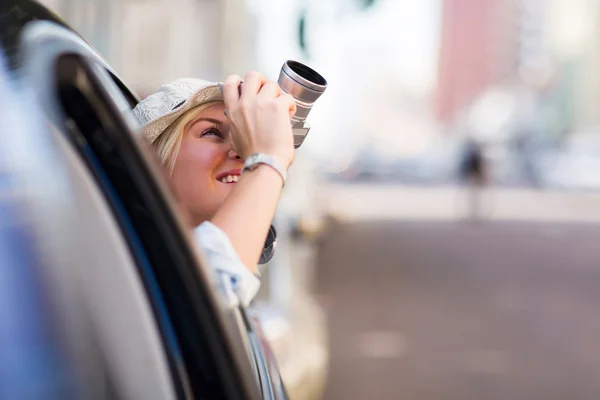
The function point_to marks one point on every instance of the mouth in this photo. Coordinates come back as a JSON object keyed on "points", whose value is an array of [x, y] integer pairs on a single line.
{"points": [[231, 176]]}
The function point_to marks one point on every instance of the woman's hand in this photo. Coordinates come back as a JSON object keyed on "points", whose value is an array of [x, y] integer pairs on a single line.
{"points": [[260, 117]]}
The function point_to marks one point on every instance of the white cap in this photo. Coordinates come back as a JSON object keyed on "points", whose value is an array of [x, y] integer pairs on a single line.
{"points": [[159, 110]]}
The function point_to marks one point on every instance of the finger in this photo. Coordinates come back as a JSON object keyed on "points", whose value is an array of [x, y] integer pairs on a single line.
{"points": [[239, 87], [270, 90], [230, 90], [253, 82], [288, 102]]}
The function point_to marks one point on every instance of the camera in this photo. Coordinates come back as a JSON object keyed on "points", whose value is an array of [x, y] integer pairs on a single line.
{"points": [[306, 86]]}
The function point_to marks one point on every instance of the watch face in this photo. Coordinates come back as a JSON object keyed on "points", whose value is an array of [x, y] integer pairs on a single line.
{"points": [[248, 163], [252, 162]]}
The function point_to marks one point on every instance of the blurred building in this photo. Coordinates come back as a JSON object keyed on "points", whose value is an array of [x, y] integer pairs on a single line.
{"points": [[551, 48], [153, 41], [573, 37], [479, 47], [150, 42]]}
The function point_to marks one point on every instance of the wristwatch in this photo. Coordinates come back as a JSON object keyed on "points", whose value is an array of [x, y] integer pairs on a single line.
{"points": [[254, 160]]}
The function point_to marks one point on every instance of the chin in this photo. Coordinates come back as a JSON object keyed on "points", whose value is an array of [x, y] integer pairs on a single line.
{"points": [[227, 189]]}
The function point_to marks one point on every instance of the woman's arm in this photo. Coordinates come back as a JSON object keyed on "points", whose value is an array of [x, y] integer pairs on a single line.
{"points": [[259, 123], [247, 212]]}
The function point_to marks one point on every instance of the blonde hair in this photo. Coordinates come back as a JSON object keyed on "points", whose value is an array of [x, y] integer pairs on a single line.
{"points": [[168, 143]]}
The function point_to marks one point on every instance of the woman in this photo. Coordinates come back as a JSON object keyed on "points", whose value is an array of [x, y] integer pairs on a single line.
{"points": [[203, 134]]}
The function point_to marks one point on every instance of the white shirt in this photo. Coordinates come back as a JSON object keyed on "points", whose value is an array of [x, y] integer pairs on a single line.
{"points": [[221, 256]]}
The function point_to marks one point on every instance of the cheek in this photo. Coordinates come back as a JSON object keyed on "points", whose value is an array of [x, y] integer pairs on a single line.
{"points": [[193, 176], [194, 179], [198, 160]]}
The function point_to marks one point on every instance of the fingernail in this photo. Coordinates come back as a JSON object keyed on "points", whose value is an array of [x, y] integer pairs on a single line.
{"points": [[220, 88]]}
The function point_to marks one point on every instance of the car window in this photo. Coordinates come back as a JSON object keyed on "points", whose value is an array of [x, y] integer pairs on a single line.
{"points": [[205, 357], [194, 340], [203, 352]]}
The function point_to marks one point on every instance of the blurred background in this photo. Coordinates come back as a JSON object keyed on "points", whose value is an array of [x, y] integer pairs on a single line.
{"points": [[398, 275]]}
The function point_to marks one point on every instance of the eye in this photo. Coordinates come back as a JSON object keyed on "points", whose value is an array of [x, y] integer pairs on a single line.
{"points": [[212, 131]]}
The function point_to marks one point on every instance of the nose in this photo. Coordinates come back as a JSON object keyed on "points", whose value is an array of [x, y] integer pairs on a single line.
{"points": [[232, 154]]}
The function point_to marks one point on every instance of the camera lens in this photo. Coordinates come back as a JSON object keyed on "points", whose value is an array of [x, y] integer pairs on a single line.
{"points": [[307, 73], [304, 84]]}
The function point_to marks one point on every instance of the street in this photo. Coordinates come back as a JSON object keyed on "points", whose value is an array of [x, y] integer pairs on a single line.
{"points": [[439, 309]]}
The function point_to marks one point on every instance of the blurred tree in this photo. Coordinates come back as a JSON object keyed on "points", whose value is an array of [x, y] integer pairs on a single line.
{"points": [[368, 3], [302, 33]]}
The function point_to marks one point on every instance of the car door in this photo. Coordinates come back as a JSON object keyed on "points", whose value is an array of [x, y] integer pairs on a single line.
{"points": [[163, 333], [72, 87], [171, 310]]}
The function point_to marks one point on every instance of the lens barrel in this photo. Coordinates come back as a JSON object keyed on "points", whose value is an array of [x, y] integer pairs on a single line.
{"points": [[304, 84]]}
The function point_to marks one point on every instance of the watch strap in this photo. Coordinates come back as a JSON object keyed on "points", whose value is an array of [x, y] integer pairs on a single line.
{"points": [[254, 160]]}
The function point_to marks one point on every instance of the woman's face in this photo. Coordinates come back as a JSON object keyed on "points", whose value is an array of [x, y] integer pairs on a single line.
{"points": [[206, 169]]}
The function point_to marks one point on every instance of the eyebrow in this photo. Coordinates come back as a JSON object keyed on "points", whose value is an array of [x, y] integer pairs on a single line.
{"points": [[213, 120]]}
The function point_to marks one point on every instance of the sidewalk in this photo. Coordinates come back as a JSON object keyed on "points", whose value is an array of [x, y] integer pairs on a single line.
{"points": [[356, 202]]}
